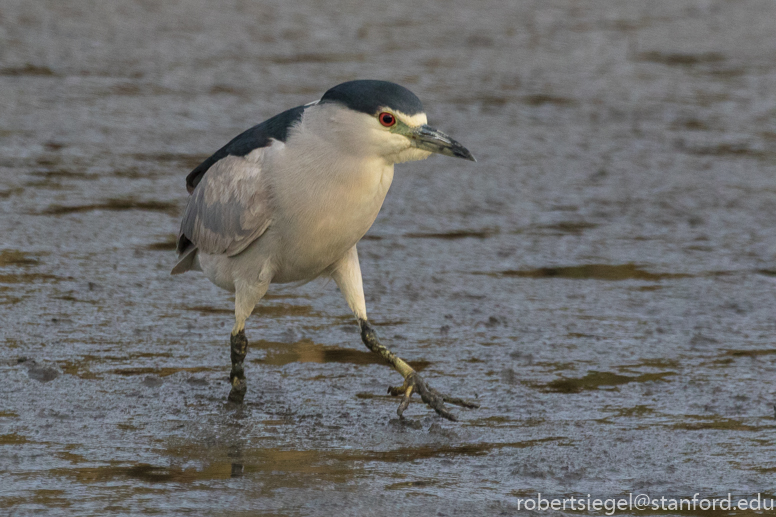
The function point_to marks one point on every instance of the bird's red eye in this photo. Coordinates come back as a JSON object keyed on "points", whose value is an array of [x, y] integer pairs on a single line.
{"points": [[387, 119]]}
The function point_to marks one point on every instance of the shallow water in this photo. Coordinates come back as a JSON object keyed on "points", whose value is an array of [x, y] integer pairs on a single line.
{"points": [[602, 281]]}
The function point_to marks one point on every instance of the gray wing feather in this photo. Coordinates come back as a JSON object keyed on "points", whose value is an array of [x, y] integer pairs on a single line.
{"points": [[230, 207]]}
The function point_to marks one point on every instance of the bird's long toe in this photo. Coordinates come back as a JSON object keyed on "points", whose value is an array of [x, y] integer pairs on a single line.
{"points": [[414, 383]]}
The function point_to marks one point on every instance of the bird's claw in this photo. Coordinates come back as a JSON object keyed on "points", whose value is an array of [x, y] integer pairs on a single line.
{"points": [[414, 383]]}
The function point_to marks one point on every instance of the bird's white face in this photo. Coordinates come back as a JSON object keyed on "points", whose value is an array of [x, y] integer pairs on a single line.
{"points": [[393, 132], [390, 134]]}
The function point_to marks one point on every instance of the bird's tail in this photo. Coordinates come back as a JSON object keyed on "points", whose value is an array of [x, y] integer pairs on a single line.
{"points": [[186, 262]]}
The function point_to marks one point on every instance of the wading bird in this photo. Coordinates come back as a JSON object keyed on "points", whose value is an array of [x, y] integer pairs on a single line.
{"points": [[289, 199]]}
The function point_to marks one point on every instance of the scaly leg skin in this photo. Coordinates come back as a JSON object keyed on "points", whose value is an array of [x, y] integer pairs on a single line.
{"points": [[413, 383], [237, 376], [246, 297]]}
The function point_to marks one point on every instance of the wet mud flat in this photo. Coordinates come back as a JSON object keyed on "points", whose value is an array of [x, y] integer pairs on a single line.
{"points": [[602, 281]]}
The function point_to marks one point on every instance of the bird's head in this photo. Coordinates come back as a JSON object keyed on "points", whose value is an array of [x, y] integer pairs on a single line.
{"points": [[383, 118]]}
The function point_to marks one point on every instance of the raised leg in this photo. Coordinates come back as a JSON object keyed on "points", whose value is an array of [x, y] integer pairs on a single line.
{"points": [[347, 274], [413, 383]]}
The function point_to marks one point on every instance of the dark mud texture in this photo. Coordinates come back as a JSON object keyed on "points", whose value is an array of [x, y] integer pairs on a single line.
{"points": [[602, 281]]}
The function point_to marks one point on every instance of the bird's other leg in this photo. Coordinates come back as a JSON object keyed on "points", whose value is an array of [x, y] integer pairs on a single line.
{"points": [[413, 383], [244, 302], [347, 275], [239, 345]]}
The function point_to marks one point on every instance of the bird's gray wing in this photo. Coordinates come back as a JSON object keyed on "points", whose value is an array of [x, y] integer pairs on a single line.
{"points": [[230, 206], [231, 209]]}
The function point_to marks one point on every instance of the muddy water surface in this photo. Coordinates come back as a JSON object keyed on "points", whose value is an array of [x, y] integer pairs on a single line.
{"points": [[603, 280]]}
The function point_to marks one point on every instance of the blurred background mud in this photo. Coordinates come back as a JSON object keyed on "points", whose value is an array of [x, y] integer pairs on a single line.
{"points": [[602, 280]]}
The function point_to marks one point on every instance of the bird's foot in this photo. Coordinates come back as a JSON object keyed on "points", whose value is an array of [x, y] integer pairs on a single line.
{"points": [[237, 393], [414, 383], [239, 345]]}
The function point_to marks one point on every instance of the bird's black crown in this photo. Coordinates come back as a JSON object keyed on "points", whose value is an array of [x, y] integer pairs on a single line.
{"points": [[369, 96]]}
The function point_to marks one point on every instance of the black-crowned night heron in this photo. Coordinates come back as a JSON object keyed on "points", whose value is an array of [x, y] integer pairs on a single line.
{"points": [[288, 199]]}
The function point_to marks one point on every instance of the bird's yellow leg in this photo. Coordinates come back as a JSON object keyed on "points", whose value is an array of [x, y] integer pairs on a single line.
{"points": [[347, 274], [413, 383]]}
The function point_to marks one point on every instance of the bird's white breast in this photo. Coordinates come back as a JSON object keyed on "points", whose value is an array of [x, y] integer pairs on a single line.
{"points": [[327, 187]]}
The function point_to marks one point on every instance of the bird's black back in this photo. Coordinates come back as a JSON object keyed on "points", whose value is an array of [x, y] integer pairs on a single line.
{"points": [[254, 138]]}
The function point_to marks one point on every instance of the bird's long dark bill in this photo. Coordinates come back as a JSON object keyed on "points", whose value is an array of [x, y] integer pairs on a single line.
{"points": [[430, 139]]}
